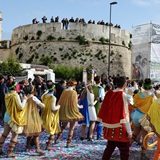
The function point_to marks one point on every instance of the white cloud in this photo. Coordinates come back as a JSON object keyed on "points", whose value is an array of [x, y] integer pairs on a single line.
{"points": [[142, 2]]}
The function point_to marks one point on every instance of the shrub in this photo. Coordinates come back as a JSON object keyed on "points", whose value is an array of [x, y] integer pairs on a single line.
{"points": [[25, 38], [81, 39], [45, 60], [20, 56], [32, 38], [11, 67], [67, 72], [123, 43], [50, 37], [60, 49], [39, 33], [60, 38], [54, 59], [30, 60], [17, 50], [130, 45], [103, 40]]}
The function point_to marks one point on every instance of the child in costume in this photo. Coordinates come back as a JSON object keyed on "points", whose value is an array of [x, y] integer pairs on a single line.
{"points": [[14, 117], [114, 116], [50, 114], [33, 127], [69, 111]]}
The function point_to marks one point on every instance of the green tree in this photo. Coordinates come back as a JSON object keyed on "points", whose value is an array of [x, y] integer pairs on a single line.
{"points": [[46, 60], [89, 72], [11, 67], [67, 72]]}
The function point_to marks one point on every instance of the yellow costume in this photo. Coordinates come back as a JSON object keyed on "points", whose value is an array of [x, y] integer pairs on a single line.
{"points": [[143, 104], [50, 119], [69, 108], [33, 120], [16, 113], [154, 114]]}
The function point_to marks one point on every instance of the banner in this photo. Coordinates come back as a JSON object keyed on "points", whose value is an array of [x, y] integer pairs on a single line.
{"points": [[155, 72], [141, 34], [155, 52], [140, 61], [155, 36]]}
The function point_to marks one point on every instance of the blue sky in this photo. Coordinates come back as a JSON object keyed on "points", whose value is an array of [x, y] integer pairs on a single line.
{"points": [[126, 13]]}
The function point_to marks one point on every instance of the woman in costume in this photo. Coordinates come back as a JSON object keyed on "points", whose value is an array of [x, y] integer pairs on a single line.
{"points": [[84, 111], [92, 111], [14, 118], [89, 111], [69, 111], [33, 127], [142, 101], [50, 114]]}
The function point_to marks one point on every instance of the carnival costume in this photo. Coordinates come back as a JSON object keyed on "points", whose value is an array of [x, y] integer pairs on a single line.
{"points": [[69, 112], [153, 117], [50, 117], [114, 116], [13, 118], [142, 102], [69, 106], [33, 127], [98, 95], [84, 111]]}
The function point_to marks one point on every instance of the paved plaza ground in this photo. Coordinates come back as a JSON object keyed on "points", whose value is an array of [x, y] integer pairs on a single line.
{"points": [[84, 150]]}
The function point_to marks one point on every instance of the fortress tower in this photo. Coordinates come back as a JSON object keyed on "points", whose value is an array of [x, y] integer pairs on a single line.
{"points": [[1, 26]]}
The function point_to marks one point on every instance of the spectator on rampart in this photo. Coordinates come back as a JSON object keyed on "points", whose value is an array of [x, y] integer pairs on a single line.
{"points": [[107, 24], [52, 19], [99, 22], [44, 18], [34, 21], [102, 22], [57, 19], [71, 20], [65, 23], [77, 20], [90, 21]]}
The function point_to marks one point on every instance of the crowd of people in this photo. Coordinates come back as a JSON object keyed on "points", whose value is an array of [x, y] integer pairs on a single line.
{"points": [[114, 106], [66, 22]]}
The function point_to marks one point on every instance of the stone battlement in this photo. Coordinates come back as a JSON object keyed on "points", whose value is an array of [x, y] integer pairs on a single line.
{"points": [[91, 32]]}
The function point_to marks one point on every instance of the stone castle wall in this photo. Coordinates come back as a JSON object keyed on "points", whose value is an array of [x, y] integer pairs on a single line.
{"points": [[30, 42]]}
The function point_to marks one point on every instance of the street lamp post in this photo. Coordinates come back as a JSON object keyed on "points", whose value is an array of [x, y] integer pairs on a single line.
{"points": [[112, 3]]}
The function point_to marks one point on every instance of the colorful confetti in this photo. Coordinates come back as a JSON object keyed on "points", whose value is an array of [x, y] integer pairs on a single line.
{"points": [[83, 150]]}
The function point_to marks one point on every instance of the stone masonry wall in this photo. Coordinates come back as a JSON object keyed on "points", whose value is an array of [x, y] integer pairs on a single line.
{"points": [[30, 42]]}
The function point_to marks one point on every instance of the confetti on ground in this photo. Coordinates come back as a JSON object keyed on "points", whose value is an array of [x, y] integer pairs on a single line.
{"points": [[83, 150]]}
